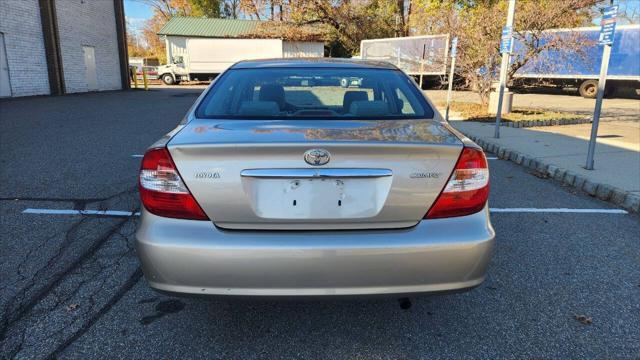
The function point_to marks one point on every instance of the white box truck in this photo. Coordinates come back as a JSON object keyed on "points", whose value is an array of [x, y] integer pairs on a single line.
{"points": [[203, 59]]}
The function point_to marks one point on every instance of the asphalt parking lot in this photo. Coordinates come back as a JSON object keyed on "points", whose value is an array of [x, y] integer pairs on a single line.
{"points": [[561, 284]]}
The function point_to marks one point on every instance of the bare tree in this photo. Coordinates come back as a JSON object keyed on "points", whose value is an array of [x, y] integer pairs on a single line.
{"points": [[478, 25], [168, 8]]}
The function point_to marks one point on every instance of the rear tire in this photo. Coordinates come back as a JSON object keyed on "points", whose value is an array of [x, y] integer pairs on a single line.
{"points": [[168, 79], [589, 89]]}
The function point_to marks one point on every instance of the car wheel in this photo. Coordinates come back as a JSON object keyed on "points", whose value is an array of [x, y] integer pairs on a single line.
{"points": [[168, 79], [589, 89]]}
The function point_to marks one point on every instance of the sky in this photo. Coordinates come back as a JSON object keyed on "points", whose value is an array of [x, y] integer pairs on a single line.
{"points": [[136, 13]]}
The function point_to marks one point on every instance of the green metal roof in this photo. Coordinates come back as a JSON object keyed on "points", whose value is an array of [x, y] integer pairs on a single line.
{"points": [[206, 27]]}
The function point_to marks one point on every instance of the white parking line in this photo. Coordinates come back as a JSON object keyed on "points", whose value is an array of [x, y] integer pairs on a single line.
{"points": [[558, 210], [493, 210], [492, 158], [137, 156], [80, 212]]}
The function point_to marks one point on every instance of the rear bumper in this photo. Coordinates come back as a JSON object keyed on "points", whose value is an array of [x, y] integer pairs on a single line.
{"points": [[195, 257]]}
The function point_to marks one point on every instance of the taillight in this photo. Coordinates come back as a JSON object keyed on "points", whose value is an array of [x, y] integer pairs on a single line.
{"points": [[468, 188], [162, 191]]}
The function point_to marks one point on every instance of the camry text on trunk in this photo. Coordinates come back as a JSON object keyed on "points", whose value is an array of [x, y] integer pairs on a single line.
{"points": [[314, 177]]}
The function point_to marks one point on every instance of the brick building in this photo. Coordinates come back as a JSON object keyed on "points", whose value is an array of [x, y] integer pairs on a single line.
{"points": [[62, 46]]}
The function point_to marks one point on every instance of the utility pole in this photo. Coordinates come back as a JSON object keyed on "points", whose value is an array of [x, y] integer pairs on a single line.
{"points": [[454, 52], [607, 32], [424, 53], [506, 47]]}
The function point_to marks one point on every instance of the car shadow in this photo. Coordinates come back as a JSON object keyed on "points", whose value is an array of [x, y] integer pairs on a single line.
{"points": [[280, 324]]}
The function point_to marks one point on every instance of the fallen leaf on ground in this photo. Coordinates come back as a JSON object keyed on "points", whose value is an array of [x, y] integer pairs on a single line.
{"points": [[72, 307], [584, 319], [539, 174]]}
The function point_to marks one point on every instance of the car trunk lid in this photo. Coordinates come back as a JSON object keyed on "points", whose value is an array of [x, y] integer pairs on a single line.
{"points": [[253, 174]]}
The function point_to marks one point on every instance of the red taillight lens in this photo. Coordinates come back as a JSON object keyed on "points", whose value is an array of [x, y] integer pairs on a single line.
{"points": [[467, 190], [162, 191]]}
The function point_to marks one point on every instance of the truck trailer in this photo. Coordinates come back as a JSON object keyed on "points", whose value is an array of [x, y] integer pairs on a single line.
{"points": [[194, 58], [419, 56], [579, 67]]}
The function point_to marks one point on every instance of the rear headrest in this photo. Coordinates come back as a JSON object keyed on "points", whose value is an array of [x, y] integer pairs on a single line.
{"points": [[272, 92], [369, 108], [350, 97], [259, 108]]}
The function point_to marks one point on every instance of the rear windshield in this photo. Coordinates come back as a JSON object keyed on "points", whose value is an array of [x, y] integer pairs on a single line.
{"points": [[318, 93]]}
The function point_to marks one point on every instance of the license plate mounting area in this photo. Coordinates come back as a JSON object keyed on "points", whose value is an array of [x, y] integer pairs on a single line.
{"points": [[339, 196]]}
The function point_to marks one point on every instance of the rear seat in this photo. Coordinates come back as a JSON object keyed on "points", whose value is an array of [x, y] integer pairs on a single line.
{"points": [[369, 108], [258, 108]]}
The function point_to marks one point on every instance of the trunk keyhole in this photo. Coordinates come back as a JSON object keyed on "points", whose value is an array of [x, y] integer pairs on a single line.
{"points": [[339, 202], [294, 203]]}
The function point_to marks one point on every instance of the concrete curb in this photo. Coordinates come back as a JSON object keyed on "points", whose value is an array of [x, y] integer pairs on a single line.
{"points": [[532, 123], [602, 191]]}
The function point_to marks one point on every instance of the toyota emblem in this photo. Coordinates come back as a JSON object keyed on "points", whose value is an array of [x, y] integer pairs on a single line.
{"points": [[317, 157]]}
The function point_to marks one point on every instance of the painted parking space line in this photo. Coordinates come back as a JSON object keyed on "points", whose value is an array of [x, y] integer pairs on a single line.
{"points": [[119, 213], [492, 158], [137, 156], [80, 212], [558, 210]]}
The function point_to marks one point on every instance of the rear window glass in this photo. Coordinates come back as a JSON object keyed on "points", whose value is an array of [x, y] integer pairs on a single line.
{"points": [[320, 93]]}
